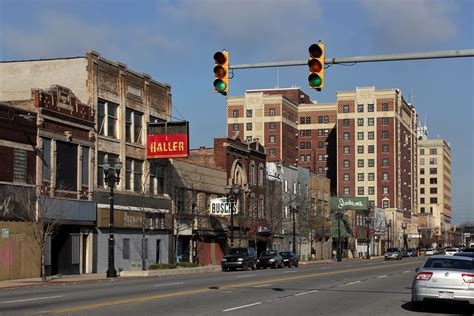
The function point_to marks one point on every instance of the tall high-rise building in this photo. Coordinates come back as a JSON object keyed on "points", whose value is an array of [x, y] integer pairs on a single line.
{"points": [[376, 146], [434, 188]]}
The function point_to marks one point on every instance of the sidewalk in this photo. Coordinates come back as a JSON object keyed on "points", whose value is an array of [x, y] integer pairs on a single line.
{"points": [[95, 277]]}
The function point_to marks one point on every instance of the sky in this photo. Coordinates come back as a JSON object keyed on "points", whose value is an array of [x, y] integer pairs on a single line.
{"points": [[174, 42]]}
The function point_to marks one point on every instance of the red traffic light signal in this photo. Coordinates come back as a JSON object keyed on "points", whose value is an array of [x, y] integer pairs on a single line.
{"points": [[316, 66], [221, 72]]}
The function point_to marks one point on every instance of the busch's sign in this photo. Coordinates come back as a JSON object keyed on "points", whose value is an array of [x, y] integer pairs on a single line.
{"points": [[168, 140], [349, 203], [220, 207]]}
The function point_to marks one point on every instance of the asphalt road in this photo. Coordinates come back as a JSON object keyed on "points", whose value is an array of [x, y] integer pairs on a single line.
{"points": [[371, 287]]}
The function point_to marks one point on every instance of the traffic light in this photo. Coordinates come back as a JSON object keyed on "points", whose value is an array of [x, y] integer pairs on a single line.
{"points": [[316, 66], [221, 72]]}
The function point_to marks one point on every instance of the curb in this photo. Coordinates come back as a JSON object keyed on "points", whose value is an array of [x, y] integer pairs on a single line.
{"points": [[177, 271]]}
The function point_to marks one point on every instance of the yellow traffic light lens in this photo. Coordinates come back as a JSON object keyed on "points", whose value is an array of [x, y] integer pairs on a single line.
{"points": [[220, 71], [315, 65], [219, 58], [314, 81], [315, 51], [220, 85]]}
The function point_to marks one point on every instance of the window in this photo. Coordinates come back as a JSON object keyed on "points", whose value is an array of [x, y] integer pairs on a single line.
{"points": [[433, 180], [346, 163], [360, 108], [422, 151], [308, 132], [370, 149], [271, 139], [370, 121], [345, 108], [360, 149], [384, 134], [433, 190], [345, 136], [271, 112], [385, 176], [433, 170], [249, 126], [360, 135], [433, 161], [422, 180], [133, 126], [320, 132], [235, 113], [371, 176], [46, 159], [85, 166], [66, 166], [385, 148], [320, 157], [302, 133], [302, 120], [371, 162], [370, 107], [371, 203], [433, 200], [370, 135], [235, 127], [308, 145], [19, 165], [422, 170], [347, 191], [107, 118], [384, 107], [346, 149], [433, 151], [360, 122], [385, 162], [308, 120], [126, 248], [422, 209], [100, 171], [345, 123], [308, 157], [260, 175], [157, 177], [360, 163], [385, 203], [384, 190], [272, 152], [360, 190], [320, 144], [271, 125], [371, 190], [422, 190], [248, 113], [302, 145], [360, 177], [320, 119], [422, 200], [133, 175], [384, 120], [347, 177]]}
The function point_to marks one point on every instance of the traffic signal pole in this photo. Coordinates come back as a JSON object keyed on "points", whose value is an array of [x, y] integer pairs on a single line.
{"points": [[365, 59]]}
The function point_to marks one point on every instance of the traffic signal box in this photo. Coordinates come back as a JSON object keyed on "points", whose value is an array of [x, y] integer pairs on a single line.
{"points": [[221, 72], [316, 66]]}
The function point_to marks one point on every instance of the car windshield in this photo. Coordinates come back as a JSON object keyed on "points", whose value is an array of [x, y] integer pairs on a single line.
{"points": [[268, 253], [392, 249], [238, 251], [451, 249], [285, 254], [450, 264]]}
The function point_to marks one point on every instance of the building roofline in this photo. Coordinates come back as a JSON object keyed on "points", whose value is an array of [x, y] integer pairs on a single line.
{"points": [[273, 89], [39, 59]]}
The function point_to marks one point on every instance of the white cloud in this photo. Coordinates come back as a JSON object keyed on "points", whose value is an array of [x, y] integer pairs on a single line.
{"points": [[410, 23]]}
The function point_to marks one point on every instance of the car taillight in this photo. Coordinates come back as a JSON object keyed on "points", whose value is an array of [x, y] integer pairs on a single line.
{"points": [[468, 278], [424, 276]]}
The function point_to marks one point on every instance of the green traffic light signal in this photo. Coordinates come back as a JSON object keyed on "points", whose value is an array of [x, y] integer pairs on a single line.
{"points": [[220, 85], [314, 81], [316, 66], [221, 72]]}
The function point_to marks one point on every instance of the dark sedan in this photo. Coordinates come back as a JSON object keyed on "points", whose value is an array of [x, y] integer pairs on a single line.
{"points": [[289, 259], [270, 258]]}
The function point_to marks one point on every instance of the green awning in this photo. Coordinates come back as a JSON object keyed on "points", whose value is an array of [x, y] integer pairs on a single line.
{"points": [[346, 231]]}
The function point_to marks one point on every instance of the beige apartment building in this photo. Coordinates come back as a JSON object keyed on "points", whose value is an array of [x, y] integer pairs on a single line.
{"points": [[434, 189]]}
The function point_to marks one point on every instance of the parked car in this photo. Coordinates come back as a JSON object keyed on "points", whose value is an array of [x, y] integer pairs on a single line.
{"points": [[242, 258], [270, 258], [450, 251], [411, 252], [289, 259], [393, 253], [431, 252], [444, 278]]}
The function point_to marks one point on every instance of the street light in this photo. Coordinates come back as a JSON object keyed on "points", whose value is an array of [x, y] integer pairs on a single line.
{"points": [[294, 210], [231, 193], [405, 243], [339, 214], [111, 177], [367, 221], [388, 225]]}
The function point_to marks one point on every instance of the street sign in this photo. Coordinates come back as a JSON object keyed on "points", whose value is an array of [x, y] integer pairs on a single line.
{"points": [[5, 233], [221, 207]]}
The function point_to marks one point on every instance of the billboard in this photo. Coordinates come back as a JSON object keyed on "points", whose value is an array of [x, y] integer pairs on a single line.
{"points": [[220, 207], [168, 140], [349, 203]]}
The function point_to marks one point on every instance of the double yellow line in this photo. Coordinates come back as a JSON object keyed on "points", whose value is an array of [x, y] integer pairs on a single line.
{"points": [[206, 290]]}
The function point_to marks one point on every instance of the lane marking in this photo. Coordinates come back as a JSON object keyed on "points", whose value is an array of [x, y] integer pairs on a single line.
{"points": [[381, 276], [355, 282], [225, 287], [32, 299], [262, 285], [348, 265], [286, 272], [406, 271], [304, 293], [176, 283], [239, 307], [245, 276]]}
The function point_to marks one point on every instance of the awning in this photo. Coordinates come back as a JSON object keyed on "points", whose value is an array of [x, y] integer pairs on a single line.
{"points": [[346, 231]]}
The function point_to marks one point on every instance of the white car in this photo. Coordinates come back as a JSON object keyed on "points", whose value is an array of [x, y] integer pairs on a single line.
{"points": [[430, 252], [450, 251]]}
